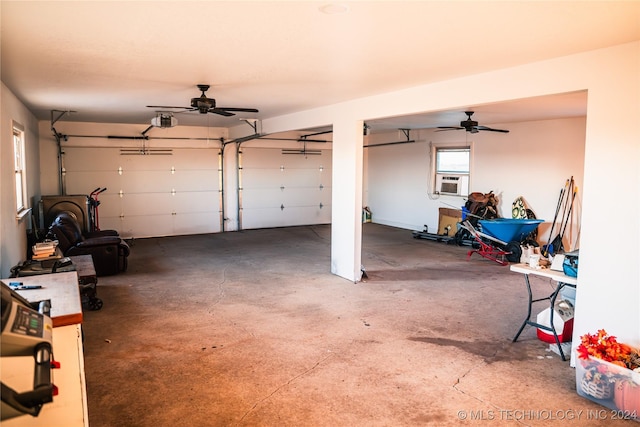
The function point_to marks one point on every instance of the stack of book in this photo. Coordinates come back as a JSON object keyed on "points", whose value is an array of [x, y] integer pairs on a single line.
{"points": [[44, 250]]}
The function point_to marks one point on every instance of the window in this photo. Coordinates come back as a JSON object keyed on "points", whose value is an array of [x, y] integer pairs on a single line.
{"points": [[452, 160], [451, 170], [20, 171]]}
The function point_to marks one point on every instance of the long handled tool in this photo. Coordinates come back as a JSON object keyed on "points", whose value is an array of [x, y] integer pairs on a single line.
{"points": [[555, 218], [556, 242], [566, 222]]}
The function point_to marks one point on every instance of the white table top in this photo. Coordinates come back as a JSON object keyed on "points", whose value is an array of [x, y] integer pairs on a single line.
{"points": [[63, 291], [558, 276]]}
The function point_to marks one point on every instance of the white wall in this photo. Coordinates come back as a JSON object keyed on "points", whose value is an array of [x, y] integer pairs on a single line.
{"points": [[13, 233], [534, 161], [611, 151]]}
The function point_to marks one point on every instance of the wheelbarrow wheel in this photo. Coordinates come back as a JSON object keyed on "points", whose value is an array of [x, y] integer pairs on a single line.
{"points": [[515, 251]]}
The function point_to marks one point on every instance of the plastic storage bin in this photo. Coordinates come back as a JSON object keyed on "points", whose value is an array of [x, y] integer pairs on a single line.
{"points": [[609, 385]]}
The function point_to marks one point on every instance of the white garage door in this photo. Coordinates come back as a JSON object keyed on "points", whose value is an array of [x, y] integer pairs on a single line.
{"points": [[149, 195], [280, 189]]}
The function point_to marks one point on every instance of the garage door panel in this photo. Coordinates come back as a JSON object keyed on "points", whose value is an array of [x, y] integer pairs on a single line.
{"points": [[145, 182], [302, 196], [91, 158], [261, 197], [84, 182], [184, 159], [273, 217], [138, 204], [196, 202], [203, 222], [196, 180], [109, 204], [262, 158], [262, 178], [147, 225], [140, 163], [113, 223]]}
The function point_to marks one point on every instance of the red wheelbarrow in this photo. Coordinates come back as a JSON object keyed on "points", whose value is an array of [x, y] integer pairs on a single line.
{"points": [[500, 238]]}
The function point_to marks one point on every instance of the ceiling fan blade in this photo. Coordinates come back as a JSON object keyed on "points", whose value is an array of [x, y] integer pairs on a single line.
{"points": [[492, 130], [246, 110], [221, 112], [443, 128], [167, 106]]}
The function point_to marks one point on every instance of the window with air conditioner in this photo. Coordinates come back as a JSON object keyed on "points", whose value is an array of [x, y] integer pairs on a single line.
{"points": [[451, 171]]}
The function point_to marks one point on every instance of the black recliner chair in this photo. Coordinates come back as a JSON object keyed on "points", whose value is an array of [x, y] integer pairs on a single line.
{"points": [[108, 250]]}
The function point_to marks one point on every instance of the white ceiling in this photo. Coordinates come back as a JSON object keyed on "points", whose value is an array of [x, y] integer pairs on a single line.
{"points": [[108, 60]]}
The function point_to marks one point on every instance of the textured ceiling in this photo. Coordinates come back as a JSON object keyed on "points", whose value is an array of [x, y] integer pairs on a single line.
{"points": [[108, 60]]}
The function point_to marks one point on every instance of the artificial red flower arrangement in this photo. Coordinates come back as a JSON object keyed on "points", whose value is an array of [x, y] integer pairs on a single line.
{"points": [[606, 347], [615, 387]]}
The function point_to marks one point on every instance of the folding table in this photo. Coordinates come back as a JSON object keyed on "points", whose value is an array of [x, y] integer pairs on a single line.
{"points": [[561, 280]]}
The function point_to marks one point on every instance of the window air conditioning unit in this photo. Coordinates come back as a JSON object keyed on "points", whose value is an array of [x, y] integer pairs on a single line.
{"points": [[452, 185]]}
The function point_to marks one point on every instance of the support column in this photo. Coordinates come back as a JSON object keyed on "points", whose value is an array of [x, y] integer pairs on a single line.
{"points": [[346, 199]]}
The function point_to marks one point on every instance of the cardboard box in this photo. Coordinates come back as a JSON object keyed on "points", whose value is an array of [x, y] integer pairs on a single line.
{"points": [[449, 218]]}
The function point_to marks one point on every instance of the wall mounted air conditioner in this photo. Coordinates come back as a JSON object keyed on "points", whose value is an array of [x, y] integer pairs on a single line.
{"points": [[452, 184]]}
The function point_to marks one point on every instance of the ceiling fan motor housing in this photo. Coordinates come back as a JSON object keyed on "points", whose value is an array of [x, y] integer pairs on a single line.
{"points": [[203, 104], [467, 124]]}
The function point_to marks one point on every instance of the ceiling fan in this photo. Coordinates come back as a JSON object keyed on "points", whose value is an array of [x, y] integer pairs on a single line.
{"points": [[205, 105], [471, 126]]}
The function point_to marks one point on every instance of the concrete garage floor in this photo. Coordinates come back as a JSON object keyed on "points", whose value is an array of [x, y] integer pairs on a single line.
{"points": [[251, 329]]}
